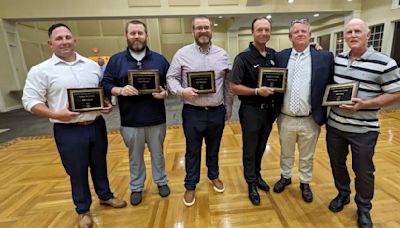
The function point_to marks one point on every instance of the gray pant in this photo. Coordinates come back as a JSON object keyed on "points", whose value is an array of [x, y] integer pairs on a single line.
{"points": [[135, 139], [362, 152]]}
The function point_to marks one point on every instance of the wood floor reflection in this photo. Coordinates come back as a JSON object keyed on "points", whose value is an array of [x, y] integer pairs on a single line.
{"points": [[35, 190]]}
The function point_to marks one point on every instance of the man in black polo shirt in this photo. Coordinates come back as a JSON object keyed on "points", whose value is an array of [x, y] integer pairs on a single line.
{"points": [[259, 106]]}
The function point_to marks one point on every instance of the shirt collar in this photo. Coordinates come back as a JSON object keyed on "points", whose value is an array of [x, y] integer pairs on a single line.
{"points": [[141, 54], [147, 55], [364, 56], [55, 59], [306, 51], [201, 50], [255, 50]]}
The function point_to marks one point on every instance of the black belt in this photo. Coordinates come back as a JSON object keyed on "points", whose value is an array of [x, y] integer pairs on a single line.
{"points": [[202, 107], [296, 116], [261, 105]]}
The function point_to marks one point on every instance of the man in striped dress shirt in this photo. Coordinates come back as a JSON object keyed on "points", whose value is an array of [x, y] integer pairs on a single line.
{"points": [[357, 124]]}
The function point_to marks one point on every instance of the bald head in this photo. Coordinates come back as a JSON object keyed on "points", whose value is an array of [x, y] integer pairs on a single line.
{"points": [[358, 22], [356, 35]]}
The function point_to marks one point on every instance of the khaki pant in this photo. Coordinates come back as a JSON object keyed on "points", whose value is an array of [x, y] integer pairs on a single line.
{"points": [[303, 131]]}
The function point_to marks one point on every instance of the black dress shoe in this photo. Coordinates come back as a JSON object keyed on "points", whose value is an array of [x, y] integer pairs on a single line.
{"points": [[253, 195], [364, 220], [306, 192], [338, 203], [281, 184], [261, 184]]}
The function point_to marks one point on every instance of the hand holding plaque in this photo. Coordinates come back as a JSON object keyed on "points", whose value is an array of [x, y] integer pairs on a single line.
{"points": [[337, 94], [145, 81], [203, 81], [85, 99], [273, 77]]}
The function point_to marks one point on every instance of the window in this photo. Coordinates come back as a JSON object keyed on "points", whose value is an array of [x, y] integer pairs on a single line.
{"points": [[339, 42], [376, 37], [395, 4], [396, 43]]}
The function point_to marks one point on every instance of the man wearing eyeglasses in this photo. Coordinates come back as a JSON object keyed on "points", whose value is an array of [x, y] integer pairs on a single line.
{"points": [[357, 125], [203, 114], [302, 113], [142, 115], [259, 106]]}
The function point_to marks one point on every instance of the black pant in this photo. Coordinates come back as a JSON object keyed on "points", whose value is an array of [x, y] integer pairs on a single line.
{"points": [[198, 124], [256, 122], [362, 151], [82, 147]]}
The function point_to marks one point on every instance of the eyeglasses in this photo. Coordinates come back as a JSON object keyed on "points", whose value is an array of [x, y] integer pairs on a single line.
{"points": [[301, 21], [200, 28]]}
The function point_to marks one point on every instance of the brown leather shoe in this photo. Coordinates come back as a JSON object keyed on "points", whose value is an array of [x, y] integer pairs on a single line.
{"points": [[114, 202], [189, 198], [85, 220], [218, 185]]}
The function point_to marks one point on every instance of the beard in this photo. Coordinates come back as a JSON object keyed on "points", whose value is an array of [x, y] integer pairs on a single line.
{"points": [[137, 45], [203, 40]]}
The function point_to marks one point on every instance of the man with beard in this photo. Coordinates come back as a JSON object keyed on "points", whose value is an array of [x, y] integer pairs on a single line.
{"points": [[203, 115], [259, 106], [142, 115], [81, 138]]}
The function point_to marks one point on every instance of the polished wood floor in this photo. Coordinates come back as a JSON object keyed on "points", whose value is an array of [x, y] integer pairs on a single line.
{"points": [[35, 190]]}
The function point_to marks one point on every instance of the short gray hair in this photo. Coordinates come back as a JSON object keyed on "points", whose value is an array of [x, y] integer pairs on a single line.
{"points": [[303, 21]]}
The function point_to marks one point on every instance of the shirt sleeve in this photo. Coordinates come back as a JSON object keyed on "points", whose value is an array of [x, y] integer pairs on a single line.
{"points": [[108, 80], [35, 89], [236, 75], [228, 95], [165, 67], [390, 80], [174, 75]]}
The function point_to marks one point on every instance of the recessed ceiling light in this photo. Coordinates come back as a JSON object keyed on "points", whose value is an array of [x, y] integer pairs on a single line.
{"points": [[220, 17], [316, 15], [269, 16], [215, 24], [349, 0], [290, 1]]}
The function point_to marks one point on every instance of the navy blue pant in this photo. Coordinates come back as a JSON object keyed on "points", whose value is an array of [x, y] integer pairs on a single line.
{"points": [[362, 151], [256, 122], [198, 124], [82, 147]]}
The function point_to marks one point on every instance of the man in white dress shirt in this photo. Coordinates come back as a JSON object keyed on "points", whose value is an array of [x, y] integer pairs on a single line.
{"points": [[81, 138]]}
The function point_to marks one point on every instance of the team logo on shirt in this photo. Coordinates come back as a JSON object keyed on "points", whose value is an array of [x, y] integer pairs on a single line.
{"points": [[272, 62]]}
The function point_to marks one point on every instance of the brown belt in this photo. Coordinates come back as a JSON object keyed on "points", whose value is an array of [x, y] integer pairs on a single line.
{"points": [[85, 122], [88, 122], [295, 116]]}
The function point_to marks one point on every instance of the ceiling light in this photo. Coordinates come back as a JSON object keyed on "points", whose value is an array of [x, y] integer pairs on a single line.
{"points": [[349, 0], [316, 15], [215, 24], [269, 16], [220, 17], [290, 1]]}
